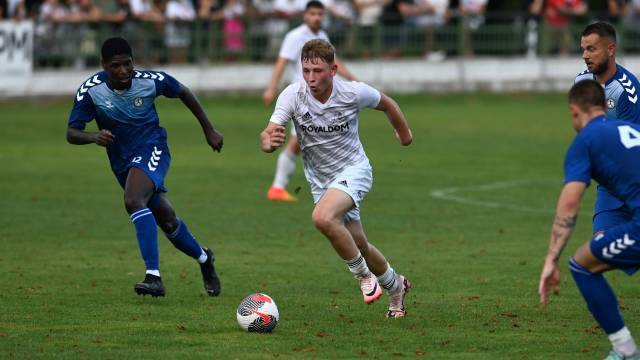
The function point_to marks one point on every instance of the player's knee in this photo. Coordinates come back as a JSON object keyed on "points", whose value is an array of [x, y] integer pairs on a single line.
{"points": [[586, 260], [132, 203], [322, 221], [168, 225]]}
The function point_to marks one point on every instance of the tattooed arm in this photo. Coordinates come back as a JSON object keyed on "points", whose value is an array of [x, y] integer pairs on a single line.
{"points": [[561, 230]]}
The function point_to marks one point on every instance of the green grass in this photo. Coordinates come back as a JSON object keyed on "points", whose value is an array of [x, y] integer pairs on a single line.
{"points": [[68, 254]]}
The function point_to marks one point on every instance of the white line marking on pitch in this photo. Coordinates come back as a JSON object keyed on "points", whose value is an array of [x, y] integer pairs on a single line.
{"points": [[450, 194]]}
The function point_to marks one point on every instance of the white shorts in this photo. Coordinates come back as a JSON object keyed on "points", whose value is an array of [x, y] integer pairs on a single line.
{"points": [[355, 180]]}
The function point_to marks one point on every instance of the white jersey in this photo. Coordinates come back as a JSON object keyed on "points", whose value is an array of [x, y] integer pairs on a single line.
{"points": [[327, 133], [291, 48]]}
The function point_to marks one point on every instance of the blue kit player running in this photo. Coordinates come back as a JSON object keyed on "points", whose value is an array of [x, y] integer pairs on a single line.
{"points": [[606, 150], [121, 100], [621, 88]]}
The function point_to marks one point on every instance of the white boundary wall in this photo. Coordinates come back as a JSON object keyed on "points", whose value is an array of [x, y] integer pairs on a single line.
{"points": [[396, 76]]}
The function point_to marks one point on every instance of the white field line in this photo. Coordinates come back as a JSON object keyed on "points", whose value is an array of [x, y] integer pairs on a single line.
{"points": [[450, 194]]}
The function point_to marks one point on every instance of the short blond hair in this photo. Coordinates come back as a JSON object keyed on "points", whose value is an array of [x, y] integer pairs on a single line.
{"points": [[318, 49]]}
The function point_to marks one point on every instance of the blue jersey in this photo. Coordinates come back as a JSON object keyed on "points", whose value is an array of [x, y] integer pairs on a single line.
{"points": [[130, 115], [608, 151], [621, 92]]}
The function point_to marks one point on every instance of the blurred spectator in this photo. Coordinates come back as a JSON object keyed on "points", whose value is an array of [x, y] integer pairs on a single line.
{"points": [[114, 11], [17, 9], [433, 15], [369, 12], [231, 15], [146, 10], [394, 27], [557, 18], [616, 9], [472, 16], [632, 15], [3, 9], [177, 32], [51, 12], [81, 11], [50, 33]]}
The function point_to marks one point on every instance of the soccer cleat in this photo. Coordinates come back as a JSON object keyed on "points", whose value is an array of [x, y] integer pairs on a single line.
{"points": [[396, 300], [151, 285], [209, 276], [615, 356], [371, 290], [280, 194]]}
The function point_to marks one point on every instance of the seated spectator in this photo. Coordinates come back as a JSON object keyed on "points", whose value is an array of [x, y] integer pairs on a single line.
{"points": [[472, 16], [558, 16]]}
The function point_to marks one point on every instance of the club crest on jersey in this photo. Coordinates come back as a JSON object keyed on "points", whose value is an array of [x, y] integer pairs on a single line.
{"points": [[138, 101], [611, 103], [338, 116]]}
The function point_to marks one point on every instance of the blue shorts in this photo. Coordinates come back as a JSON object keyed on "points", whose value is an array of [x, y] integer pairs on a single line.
{"points": [[609, 211], [619, 247], [153, 158]]}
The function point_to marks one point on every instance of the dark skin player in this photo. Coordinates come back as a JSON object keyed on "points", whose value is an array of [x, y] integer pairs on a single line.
{"points": [[139, 187]]}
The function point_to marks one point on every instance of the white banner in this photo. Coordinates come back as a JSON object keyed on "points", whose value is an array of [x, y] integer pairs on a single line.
{"points": [[16, 56]]}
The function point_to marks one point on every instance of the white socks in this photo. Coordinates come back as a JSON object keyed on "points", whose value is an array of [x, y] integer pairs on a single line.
{"points": [[285, 167], [203, 257], [358, 266], [154, 272], [388, 280], [622, 342]]}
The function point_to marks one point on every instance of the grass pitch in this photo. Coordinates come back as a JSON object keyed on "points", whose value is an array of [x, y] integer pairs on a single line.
{"points": [[464, 212]]}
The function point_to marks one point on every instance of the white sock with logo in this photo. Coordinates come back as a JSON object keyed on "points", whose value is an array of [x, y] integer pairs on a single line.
{"points": [[623, 342], [285, 167], [358, 266], [389, 280]]}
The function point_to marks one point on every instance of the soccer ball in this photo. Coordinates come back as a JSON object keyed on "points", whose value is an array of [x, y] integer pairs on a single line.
{"points": [[258, 313]]}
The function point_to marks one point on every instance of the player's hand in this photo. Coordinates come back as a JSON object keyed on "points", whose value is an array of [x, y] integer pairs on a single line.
{"points": [[273, 138], [214, 139], [267, 96], [549, 280], [406, 141], [103, 137]]}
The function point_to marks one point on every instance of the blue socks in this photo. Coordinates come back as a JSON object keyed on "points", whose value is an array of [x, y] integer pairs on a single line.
{"points": [[600, 299], [147, 234], [182, 239]]}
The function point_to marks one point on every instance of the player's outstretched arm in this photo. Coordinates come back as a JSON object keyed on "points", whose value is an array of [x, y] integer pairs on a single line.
{"points": [[396, 118], [270, 92], [81, 137], [561, 230], [214, 138], [272, 137], [343, 71]]}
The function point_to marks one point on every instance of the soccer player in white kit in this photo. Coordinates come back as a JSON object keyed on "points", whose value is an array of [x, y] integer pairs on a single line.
{"points": [[325, 111], [313, 17]]}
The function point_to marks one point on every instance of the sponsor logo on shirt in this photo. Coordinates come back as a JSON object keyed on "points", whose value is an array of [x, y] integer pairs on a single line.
{"points": [[327, 129]]}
